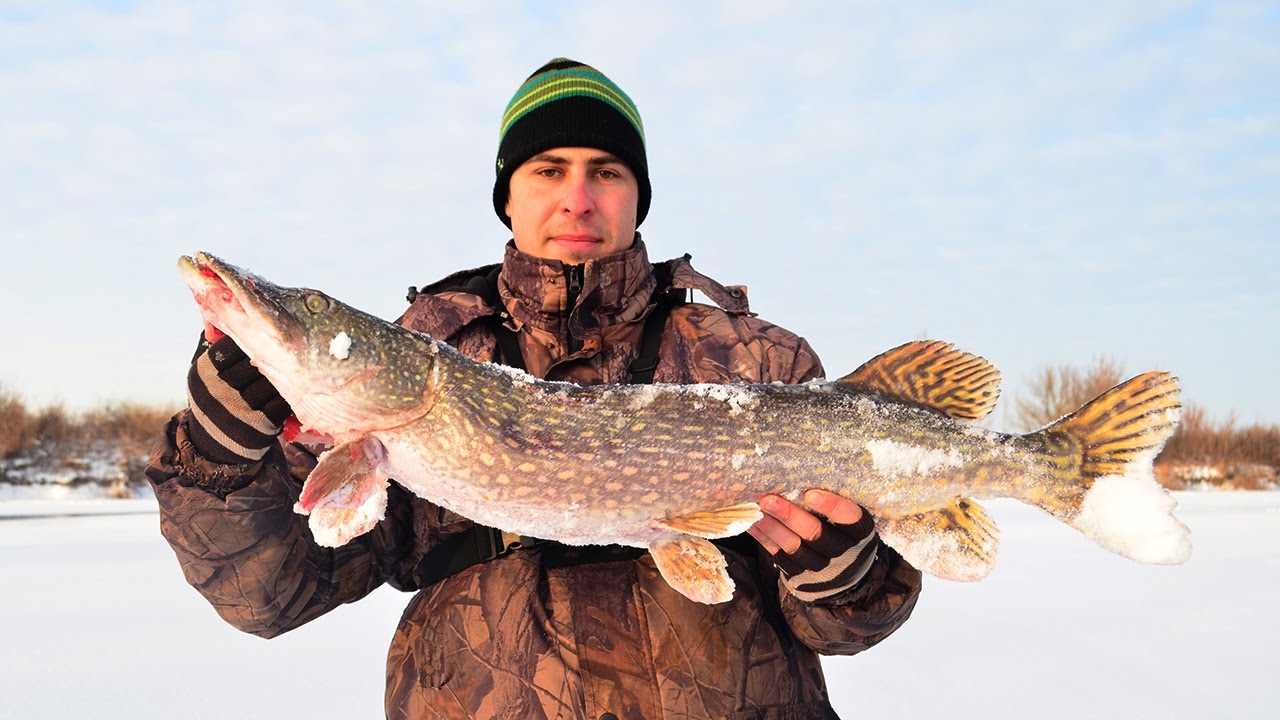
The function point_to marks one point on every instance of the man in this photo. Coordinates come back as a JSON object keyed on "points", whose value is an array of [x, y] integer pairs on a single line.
{"points": [[544, 631]]}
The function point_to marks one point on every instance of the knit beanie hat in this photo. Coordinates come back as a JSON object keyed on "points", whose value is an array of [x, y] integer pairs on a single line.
{"points": [[567, 104]]}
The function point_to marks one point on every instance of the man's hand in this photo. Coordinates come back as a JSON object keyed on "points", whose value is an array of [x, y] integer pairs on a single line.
{"points": [[235, 412], [822, 548]]}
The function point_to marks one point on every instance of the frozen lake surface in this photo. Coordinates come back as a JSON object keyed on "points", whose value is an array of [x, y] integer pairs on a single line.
{"points": [[97, 622]]}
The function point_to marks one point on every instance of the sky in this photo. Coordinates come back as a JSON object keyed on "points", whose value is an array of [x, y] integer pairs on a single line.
{"points": [[98, 622], [1043, 184]]}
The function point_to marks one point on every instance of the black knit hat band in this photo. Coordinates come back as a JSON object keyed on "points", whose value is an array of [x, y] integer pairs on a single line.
{"points": [[568, 104]]}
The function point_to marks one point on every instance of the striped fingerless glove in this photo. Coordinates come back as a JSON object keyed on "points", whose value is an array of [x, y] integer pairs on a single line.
{"points": [[236, 413], [835, 562]]}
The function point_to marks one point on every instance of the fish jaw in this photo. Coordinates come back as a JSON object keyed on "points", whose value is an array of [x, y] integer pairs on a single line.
{"points": [[219, 287], [342, 371]]}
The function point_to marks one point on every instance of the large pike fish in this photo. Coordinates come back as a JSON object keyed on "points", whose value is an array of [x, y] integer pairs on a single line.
{"points": [[671, 467]]}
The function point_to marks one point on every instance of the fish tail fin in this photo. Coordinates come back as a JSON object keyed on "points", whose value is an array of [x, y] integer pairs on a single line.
{"points": [[1105, 454]]}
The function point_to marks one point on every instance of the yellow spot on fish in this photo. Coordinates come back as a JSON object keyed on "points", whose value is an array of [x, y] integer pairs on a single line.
{"points": [[527, 467], [638, 427]]}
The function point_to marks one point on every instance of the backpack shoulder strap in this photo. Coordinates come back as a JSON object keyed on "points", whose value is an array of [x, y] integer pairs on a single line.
{"points": [[646, 362], [508, 344]]}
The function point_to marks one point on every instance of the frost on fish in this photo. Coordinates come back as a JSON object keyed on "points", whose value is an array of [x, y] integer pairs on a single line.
{"points": [[340, 345], [894, 458], [672, 467], [1132, 515], [336, 526]]}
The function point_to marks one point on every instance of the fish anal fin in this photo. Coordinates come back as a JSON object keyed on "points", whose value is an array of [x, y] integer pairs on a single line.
{"points": [[934, 374], [694, 567], [345, 477], [956, 542], [717, 523]]}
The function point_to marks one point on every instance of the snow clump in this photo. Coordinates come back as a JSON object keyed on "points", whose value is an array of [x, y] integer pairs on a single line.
{"points": [[340, 345]]}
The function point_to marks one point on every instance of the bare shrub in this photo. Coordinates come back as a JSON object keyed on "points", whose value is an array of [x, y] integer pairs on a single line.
{"points": [[15, 425], [1056, 391], [1199, 440], [129, 426], [55, 430]]}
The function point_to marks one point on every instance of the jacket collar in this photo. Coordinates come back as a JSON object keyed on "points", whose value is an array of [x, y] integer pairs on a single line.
{"points": [[614, 289]]}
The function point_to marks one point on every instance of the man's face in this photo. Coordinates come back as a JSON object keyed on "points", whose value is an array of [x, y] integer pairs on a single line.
{"points": [[573, 204]]}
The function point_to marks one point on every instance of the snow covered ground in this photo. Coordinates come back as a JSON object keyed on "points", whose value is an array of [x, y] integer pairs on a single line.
{"points": [[96, 621]]}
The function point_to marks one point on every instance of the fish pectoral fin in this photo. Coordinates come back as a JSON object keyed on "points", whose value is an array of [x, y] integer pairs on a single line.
{"points": [[694, 567], [346, 476], [956, 542], [717, 523], [335, 527], [934, 374]]}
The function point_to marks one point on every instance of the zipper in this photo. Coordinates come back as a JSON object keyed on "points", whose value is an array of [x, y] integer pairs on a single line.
{"points": [[573, 285]]}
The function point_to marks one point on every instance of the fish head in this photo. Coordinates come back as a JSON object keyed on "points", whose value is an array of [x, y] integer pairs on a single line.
{"points": [[342, 370]]}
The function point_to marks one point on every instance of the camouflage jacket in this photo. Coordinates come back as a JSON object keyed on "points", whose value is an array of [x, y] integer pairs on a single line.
{"points": [[530, 635]]}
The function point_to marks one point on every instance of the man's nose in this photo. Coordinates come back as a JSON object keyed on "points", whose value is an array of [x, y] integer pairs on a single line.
{"points": [[577, 199]]}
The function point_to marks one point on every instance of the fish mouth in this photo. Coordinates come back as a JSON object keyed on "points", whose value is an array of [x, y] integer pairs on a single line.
{"points": [[227, 294]]}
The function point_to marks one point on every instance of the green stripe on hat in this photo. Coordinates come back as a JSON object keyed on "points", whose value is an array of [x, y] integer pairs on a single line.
{"points": [[579, 81]]}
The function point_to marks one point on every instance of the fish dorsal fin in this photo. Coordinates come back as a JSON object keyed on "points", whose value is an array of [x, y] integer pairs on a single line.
{"points": [[694, 567], [955, 542], [934, 374], [717, 523]]}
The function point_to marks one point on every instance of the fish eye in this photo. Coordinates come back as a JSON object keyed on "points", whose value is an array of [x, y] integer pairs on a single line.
{"points": [[316, 303]]}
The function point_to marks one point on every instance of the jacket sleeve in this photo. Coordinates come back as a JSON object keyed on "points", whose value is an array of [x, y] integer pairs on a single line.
{"points": [[867, 613], [241, 545]]}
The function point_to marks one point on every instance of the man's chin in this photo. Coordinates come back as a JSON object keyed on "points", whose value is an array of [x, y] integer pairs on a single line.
{"points": [[576, 251]]}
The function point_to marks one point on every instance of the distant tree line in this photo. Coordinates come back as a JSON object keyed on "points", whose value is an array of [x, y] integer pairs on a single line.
{"points": [[105, 445]]}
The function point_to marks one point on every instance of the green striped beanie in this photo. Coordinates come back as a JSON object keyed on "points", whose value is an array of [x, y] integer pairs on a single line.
{"points": [[567, 104]]}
